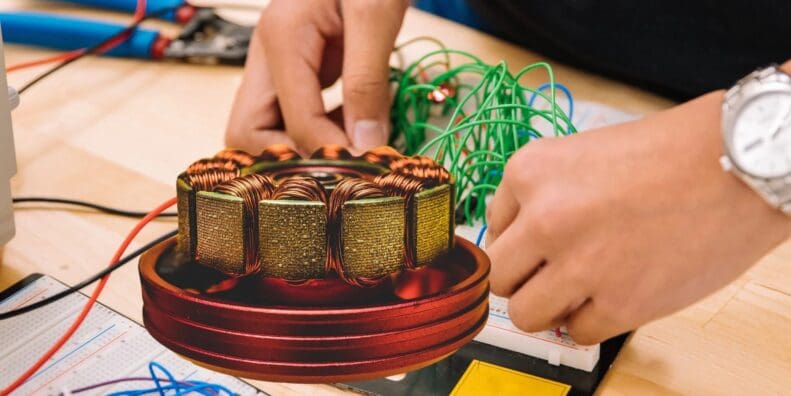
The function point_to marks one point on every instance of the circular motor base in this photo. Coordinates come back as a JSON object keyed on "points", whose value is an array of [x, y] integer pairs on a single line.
{"points": [[272, 330]]}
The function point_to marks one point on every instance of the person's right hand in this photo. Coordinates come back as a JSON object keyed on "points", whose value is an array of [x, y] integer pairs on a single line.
{"points": [[298, 48]]}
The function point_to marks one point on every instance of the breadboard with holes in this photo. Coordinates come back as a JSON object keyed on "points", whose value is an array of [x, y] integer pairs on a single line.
{"points": [[557, 348], [108, 346]]}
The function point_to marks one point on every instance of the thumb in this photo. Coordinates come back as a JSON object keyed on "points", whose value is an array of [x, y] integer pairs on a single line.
{"points": [[370, 30]]}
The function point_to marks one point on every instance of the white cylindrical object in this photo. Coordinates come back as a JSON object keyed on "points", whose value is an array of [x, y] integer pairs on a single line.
{"points": [[7, 155]]}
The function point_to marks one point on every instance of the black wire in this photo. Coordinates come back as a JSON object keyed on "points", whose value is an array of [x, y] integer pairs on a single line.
{"points": [[95, 48], [100, 208], [116, 265]]}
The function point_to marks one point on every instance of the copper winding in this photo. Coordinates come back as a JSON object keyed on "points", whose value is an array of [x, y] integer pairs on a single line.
{"points": [[204, 174], [406, 186], [346, 190], [382, 155], [301, 188], [239, 157], [278, 152], [422, 168], [251, 189], [331, 152]]}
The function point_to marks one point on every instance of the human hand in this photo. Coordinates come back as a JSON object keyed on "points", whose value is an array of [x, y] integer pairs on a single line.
{"points": [[298, 48], [609, 229]]}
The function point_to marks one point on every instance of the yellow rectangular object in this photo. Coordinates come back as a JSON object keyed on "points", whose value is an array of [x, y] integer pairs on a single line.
{"points": [[433, 224], [483, 378], [220, 232], [373, 236], [292, 239]]}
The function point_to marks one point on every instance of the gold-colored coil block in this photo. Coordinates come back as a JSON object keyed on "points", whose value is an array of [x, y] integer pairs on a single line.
{"points": [[372, 231], [185, 202], [433, 222], [292, 239], [220, 232]]}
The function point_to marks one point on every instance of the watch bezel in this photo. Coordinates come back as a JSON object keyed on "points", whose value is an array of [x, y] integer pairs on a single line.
{"points": [[732, 110]]}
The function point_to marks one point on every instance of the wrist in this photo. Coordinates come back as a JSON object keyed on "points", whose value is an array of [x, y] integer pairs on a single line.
{"points": [[780, 222], [786, 67]]}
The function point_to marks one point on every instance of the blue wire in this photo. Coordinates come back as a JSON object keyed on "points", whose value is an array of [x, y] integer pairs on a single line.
{"points": [[561, 88], [480, 235], [151, 366], [181, 387]]}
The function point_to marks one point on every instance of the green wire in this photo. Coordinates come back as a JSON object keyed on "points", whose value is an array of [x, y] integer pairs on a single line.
{"points": [[477, 128]]}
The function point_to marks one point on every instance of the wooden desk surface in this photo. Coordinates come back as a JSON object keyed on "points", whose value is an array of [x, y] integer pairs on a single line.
{"points": [[118, 131]]}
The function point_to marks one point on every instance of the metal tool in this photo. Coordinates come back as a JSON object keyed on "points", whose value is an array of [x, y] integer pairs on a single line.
{"points": [[206, 38]]}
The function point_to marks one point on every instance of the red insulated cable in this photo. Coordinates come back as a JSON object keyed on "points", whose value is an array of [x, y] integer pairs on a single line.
{"points": [[89, 304]]}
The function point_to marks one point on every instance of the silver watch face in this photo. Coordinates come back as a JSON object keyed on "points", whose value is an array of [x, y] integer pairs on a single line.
{"points": [[761, 136]]}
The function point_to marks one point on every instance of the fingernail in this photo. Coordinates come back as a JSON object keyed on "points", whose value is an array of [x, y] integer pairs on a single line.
{"points": [[368, 134]]}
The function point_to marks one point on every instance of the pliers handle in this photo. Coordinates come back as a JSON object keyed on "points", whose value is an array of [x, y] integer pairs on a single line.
{"points": [[68, 33]]}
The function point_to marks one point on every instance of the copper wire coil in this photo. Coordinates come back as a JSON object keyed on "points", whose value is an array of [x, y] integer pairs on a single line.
{"points": [[239, 157], [406, 186], [332, 152], [278, 152], [206, 180], [252, 189], [301, 188], [207, 164], [409, 162], [346, 190], [382, 155], [423, 168], [206, 173]]}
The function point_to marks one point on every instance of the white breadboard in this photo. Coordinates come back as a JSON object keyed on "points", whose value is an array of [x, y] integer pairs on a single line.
{"points": [[107, 346], [555, 349], [501, 332]]}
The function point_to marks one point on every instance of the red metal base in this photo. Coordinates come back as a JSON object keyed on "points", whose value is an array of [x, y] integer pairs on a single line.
{"points": [[271, 330]]}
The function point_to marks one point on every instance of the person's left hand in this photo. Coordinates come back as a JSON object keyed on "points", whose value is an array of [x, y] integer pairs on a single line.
{"points": [[609, 229]]}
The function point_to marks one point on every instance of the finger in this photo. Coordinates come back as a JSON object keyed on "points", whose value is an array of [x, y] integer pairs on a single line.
{"points": [[295, 72], [256, 141], [500, 212], [255, 107], [370, 30], [546, 299], [589, 324], [515, 258]]}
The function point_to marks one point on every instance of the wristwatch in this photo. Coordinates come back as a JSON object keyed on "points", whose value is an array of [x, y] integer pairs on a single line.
{"points": [[756, 127]]}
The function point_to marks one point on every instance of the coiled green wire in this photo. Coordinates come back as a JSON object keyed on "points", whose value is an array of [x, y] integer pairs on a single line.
{"points": [[482, 124]]}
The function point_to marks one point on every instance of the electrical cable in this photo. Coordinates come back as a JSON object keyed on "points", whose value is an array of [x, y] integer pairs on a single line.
{"points": [[490, 114], [89, 205], [93, 278], [101, 47], [140, 10], [181, 387], [89, 304]]}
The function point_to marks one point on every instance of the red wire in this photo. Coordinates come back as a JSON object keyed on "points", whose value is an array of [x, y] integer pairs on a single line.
{"points": [[89, 304], [140, 12]]}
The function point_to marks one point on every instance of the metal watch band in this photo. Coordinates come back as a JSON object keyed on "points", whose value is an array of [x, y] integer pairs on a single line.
{"points": [[777, 192], [761, 76], [774, 191]]}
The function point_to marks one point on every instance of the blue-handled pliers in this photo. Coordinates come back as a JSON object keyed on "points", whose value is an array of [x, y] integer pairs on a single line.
{"points": [[206, 38]]}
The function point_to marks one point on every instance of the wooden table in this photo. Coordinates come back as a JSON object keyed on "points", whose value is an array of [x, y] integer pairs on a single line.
{"points": [[118, 131]]}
